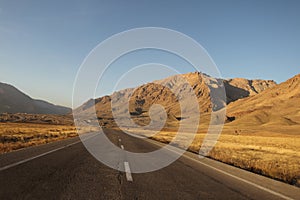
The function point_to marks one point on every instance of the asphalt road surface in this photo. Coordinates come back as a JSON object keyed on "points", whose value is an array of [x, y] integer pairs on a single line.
{"points": [[66, 170]]}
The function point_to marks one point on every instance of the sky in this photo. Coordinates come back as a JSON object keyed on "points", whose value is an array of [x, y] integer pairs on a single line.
{"points": [[44, 43]]}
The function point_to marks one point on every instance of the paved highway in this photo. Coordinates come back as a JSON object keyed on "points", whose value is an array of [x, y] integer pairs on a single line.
{"points": [[65, 170]]}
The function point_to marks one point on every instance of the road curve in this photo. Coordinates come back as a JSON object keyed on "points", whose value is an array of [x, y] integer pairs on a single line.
{"points": [[65, 170]]}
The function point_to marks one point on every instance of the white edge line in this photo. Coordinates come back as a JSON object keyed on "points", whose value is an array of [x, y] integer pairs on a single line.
{"points": [[40, 155], [246, 181], [231, 175], [128, 172]]}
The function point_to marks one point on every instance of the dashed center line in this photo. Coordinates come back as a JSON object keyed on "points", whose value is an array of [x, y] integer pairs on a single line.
{"points": [[128, 172]]}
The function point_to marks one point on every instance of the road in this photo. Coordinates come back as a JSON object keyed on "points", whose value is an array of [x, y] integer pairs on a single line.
{"points": [[66, 170]]}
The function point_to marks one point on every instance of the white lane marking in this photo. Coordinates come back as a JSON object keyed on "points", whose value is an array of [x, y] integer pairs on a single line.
{"points": [[40, 155], [34, 157], [249, 182], [231, 175], [122, 147], [128, 172]]}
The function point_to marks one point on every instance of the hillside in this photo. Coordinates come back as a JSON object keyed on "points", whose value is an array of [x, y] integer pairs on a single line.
{"points": [[239, 88], [159, 92], [277, 106], [13, 100]]}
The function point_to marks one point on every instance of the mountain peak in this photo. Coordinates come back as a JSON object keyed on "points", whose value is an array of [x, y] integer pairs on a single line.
{"points": [[168, 92]]}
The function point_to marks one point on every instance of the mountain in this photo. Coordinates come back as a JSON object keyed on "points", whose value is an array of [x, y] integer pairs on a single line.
{"points": [[13, 100], [278, 105], [239, 88], [159, 92]]}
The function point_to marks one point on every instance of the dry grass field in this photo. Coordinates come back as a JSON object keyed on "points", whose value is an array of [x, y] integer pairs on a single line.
{"points": [[261, 133], [273, 154], [19, 135], [14, 136]]}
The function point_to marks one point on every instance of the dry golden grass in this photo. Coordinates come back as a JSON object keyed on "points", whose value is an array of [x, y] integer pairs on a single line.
{"points": [[271, 154], [19, 135], [270, 151], [276, 157]]}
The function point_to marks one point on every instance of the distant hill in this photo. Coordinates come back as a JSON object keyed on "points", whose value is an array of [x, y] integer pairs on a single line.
{"points": [[278, 105], [239, 88], [141, 98], [13, 100]]}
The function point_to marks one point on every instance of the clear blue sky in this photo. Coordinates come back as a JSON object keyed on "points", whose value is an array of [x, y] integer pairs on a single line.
{"points": [[43, 43]]}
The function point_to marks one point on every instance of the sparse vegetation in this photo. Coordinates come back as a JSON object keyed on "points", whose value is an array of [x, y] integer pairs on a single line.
{"points": [[19, 135], [274, 155], [261, 133]]}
